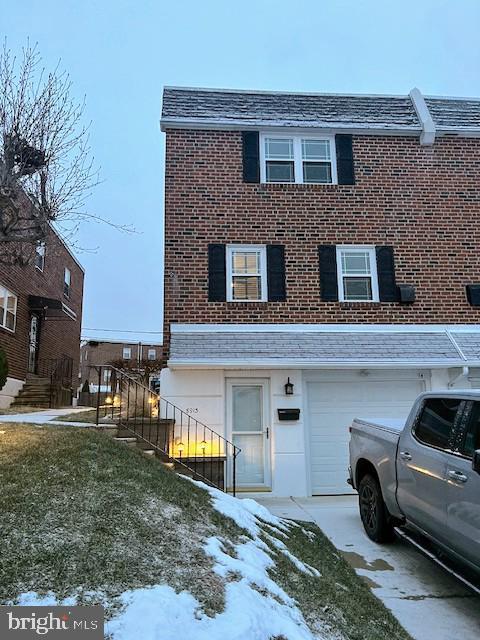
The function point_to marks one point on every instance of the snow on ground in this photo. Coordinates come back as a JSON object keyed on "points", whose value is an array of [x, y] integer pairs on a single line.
{"points": [[256, 607]]}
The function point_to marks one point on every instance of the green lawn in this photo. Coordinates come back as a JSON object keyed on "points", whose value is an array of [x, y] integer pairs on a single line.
{"points": [[89, 415], [82, 514]]}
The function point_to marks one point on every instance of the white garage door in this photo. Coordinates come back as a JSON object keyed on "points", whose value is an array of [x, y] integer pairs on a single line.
{"points": [[338, 397]]}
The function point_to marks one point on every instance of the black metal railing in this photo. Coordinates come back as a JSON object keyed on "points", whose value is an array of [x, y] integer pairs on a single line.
{"points": [[175, 434], [60, 372]]}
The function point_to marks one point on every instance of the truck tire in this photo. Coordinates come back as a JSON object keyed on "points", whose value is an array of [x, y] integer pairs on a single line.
{"points": [[373, 512]]}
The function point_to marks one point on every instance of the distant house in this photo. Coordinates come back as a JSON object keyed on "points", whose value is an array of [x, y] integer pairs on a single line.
{"points": [[94, 353], [321, 263], [40, 322]]}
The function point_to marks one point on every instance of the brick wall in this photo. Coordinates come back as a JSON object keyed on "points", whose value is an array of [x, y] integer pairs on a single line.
{"points": [[425, 201], [97, 352], [57, 337]]}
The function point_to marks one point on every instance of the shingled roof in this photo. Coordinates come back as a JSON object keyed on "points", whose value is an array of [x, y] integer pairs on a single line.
{"points": [[215, 107], [237, 346]]}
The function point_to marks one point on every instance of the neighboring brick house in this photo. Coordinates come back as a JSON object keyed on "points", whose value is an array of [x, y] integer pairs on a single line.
{"points": [[40, 314], [329, 241], [99, 352]]}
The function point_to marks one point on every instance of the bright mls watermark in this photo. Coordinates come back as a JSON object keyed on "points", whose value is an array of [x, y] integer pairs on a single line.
{"points": [[25, 623]]}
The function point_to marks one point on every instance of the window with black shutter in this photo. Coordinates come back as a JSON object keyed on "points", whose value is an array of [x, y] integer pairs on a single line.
{"points": [[276, 273], [217, 279]]}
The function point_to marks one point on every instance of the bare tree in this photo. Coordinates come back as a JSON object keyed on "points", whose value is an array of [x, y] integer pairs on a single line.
{"points": [[46, 166], [142, 370]]}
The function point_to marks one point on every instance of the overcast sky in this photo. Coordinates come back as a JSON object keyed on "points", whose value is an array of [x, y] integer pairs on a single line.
{"points": [[120, 53]]}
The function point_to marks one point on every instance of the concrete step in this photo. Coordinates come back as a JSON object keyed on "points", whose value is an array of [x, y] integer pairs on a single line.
{"points": [[128, 440]]}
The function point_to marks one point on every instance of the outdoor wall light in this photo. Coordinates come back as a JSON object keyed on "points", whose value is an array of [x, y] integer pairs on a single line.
{"points": [[289, 388]]}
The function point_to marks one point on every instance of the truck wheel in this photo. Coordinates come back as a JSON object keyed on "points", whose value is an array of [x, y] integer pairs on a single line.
{"points": [[373, 511]]}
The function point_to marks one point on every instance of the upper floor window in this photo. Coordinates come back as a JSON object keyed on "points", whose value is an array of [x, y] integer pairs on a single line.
{"points": [[246, 273], [357, 274], [127, 353], [40, 256], [67, 281], [8, 309], [298, 159], [151, 354]]}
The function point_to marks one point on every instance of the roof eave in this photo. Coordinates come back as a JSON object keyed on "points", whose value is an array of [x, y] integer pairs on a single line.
{"points": [[287, 363], [227, 124]]}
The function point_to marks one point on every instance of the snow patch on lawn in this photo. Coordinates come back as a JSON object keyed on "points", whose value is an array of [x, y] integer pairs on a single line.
{"points": [[256, 607], [161, 614]]}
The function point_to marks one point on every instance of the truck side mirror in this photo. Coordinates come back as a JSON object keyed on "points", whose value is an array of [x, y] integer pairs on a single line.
{"points": [[476, 461]]}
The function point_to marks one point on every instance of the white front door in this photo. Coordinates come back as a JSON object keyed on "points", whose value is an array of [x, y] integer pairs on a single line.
{"points": [[248, 419]]}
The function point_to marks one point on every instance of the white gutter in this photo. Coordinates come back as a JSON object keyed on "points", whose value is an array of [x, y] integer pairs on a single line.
{"points": [[257, 363], [427, 137], [237, 124], [322, 328]]}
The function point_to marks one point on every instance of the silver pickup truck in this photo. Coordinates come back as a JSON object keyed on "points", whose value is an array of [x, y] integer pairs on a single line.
{"points": [[423, 474]]}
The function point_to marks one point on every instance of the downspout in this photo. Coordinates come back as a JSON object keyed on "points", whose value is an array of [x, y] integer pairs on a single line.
{"points": [[427, 137], [464, 373]]}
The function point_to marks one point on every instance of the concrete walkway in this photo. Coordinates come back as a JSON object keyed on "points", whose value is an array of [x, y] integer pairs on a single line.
{"points": [[429, 603], [47, 417]]}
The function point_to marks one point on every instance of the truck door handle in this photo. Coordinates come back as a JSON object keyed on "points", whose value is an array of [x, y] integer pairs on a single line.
{"points": [[457, 476], [405, 455]]}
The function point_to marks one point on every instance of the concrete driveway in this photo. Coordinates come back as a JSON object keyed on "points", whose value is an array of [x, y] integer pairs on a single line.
{"points": [[429, 603]]}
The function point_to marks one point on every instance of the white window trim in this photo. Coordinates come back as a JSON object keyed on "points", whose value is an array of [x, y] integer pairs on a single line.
{"points": [[373, 271], [40, 245], [263, 270], [154, 354], [2, 320], [129, 349], [66, 292], [297, 156]]}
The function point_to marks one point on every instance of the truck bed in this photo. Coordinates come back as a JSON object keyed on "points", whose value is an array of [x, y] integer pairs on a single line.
{"points": [[376, 440]]}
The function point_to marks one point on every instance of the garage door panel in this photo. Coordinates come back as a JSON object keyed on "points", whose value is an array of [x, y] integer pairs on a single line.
{"points": [[332, 405]]}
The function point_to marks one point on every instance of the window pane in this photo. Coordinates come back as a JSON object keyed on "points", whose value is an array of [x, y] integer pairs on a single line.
{"points": [[279, 148], [472, 437], [317, 172], [354, 262], [280, 172], [357, 288], [247, 408], [246, 262], [315, 149], [246, 288], [436, 422]]}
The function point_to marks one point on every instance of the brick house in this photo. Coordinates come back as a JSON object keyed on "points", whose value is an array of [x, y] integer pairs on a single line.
{"points": [[321, 257], [40, 316], [99, 352]]}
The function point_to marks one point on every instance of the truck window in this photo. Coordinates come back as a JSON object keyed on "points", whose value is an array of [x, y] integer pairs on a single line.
{"points": [[472, 435], [435, 425]]}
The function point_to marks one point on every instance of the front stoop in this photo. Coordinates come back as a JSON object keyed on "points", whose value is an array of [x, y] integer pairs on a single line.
{"points": [[36, 392], [128, 438]]}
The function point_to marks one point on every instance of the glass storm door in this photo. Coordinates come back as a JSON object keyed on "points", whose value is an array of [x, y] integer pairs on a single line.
{"points": [[248, 419], [33, 343]]}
